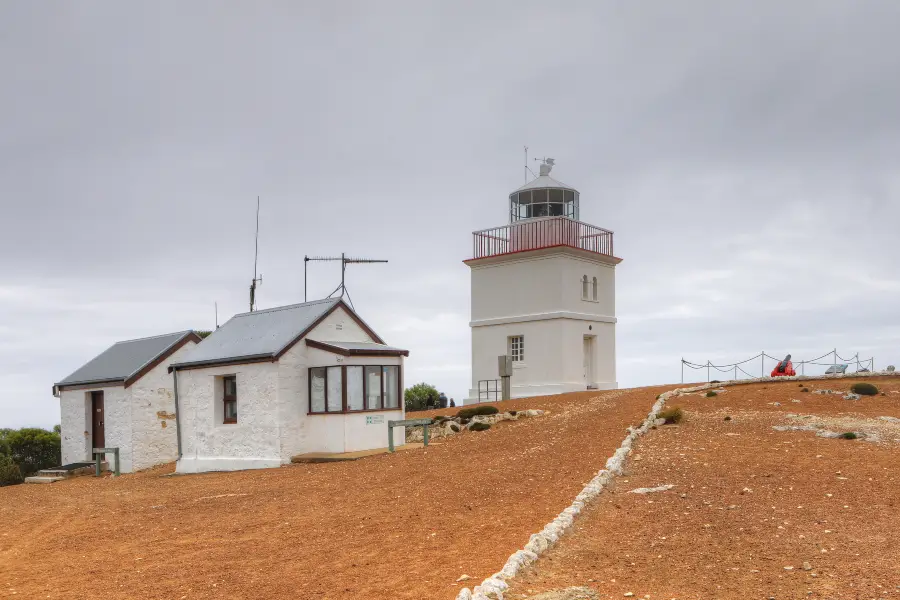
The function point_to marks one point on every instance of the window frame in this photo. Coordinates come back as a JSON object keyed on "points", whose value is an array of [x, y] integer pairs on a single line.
{"points": [[345, 409], [517, 357], [226, 399]]}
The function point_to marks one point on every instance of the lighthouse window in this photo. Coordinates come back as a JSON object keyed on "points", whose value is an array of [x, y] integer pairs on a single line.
{"points": [[594, 289], [584, 287], [517, 347]]}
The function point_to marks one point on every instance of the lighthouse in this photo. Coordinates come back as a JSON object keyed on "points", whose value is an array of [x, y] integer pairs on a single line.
{"points": [[544, 293]]}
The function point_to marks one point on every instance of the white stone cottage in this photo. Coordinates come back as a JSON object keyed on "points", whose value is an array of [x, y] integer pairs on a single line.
{"points": [[123, 398], [275, 383]]}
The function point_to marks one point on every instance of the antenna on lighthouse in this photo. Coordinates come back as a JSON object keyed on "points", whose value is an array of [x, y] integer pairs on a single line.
{"points": [[256, 280]]}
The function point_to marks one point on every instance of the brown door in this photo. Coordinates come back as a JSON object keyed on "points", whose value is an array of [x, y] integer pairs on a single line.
{"points": [[98, 431]]}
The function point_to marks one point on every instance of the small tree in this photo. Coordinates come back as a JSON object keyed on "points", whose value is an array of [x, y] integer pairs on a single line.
{"points": [[57, 429], [34, 449], [421, 396], [9, 471]]}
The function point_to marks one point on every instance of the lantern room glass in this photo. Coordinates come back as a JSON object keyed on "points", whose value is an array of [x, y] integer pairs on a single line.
{"points": [[544, 202]]}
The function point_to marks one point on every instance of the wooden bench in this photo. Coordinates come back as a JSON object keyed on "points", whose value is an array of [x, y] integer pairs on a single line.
{"points": [[407, 423], [99, 453]]}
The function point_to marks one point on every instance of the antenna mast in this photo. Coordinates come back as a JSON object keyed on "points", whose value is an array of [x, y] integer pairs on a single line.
{"points": [[255, 280], [526, 164], [344, 262]]}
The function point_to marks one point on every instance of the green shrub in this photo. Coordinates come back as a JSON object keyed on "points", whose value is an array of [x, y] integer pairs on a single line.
{"points": [[481, 409], [711, 394], [727, 418], [33, 449], [513, 412], [421, 396], [454, 427], [479, 427], [9, 471], [464, 421], [805, 389], [864, 389], [715, 381], [849, 435], [671, 415]]}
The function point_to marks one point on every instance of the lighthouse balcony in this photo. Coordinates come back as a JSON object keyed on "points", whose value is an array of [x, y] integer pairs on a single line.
{"points": [[541, 233]]}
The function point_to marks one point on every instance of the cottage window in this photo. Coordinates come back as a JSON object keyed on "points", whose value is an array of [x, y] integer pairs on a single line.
{"points": [[594, 289], [373, 388], [229, 399], [355, 397], [354, 388], [517, 348], [584, 287], [391, 387]]}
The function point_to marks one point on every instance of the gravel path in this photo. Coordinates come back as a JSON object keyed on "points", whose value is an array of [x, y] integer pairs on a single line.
{"points": [[401, 526], [754, 512]]}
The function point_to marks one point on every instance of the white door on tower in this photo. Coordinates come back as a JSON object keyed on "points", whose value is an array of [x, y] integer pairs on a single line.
{"points": [[589, 360]]}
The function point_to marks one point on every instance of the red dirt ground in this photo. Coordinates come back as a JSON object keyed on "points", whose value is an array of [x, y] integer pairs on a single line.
{"points": [[393, 526], [748, 502]]}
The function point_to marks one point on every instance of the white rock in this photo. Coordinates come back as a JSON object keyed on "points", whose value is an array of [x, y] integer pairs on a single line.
{"points": [[661, 488]]}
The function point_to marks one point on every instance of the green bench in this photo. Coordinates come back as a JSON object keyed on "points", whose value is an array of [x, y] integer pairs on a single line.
{"points": [[407, 423], [99, 453]]}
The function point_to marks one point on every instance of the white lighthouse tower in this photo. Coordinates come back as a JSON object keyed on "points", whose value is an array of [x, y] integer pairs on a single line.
{"points": [[544, 292]]}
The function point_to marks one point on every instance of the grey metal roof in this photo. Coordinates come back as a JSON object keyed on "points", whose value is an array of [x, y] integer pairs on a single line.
{"points": [[124, 359], [259, 334], [361, 347], [544, 181]]}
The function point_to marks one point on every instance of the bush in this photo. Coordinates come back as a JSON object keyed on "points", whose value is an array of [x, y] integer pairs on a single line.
{"points": [[513, 412], [864, 389], [711, 394], [9, 471], [454, 427], [479, 427], [32, 449], [464, 421], [671, 415], [421, 396], [727, 418], [849, 436], [481, 409], [805, 389]]}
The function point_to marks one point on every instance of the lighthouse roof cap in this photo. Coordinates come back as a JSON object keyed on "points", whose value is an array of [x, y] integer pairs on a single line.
{"points": [[542, 182]]}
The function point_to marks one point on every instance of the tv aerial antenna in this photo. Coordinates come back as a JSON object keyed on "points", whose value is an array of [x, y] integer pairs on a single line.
{"points": [[344, 260], [257, 280]]}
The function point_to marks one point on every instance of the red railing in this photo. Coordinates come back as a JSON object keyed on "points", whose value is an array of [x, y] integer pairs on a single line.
{"points": [[534, 234]]}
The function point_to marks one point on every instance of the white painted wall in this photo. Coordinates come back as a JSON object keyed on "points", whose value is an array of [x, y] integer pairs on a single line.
{"points": [[154, 439], [273, 421], [539, 295], [76, 423], [133, 420]]}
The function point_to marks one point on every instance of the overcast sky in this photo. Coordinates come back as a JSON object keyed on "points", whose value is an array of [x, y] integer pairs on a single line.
{"points": [[744, 153]]}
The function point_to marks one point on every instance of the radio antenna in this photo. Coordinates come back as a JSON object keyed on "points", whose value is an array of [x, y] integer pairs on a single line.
{"points": [[342, 288], [256, 280]]}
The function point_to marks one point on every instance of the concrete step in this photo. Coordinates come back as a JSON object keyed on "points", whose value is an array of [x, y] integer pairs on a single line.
{"points": [[41, 479]]}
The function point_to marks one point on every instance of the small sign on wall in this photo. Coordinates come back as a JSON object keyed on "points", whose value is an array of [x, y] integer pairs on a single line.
{"points": [[375, 420]]}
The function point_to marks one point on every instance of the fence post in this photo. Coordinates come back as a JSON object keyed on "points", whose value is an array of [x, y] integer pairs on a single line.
{"points": [[735, 372], [762, 364], [682, 370], [390, 436], [707, 370]]}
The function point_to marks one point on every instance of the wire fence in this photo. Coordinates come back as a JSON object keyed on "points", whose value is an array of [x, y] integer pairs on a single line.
{"points": [[733, 369]]}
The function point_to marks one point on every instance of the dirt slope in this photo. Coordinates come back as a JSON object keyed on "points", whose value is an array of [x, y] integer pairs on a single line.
{"points": [[401, 526], [751, 506]]}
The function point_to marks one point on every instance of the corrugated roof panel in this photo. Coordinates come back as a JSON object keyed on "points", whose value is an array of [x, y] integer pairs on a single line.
{"points": [[123, 359], [259, 333]]}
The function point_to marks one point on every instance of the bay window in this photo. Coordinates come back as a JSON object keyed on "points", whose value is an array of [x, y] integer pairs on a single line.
{"points": [[354, 388]]}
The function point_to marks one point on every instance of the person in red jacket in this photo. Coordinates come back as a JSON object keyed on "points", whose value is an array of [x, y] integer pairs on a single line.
{"points": [[784, 368]]}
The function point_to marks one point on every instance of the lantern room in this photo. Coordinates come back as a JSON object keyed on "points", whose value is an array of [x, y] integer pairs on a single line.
{"points": [[543, 197]]}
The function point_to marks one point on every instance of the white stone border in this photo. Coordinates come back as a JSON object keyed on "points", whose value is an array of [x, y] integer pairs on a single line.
{"points": [[494, 586]]}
